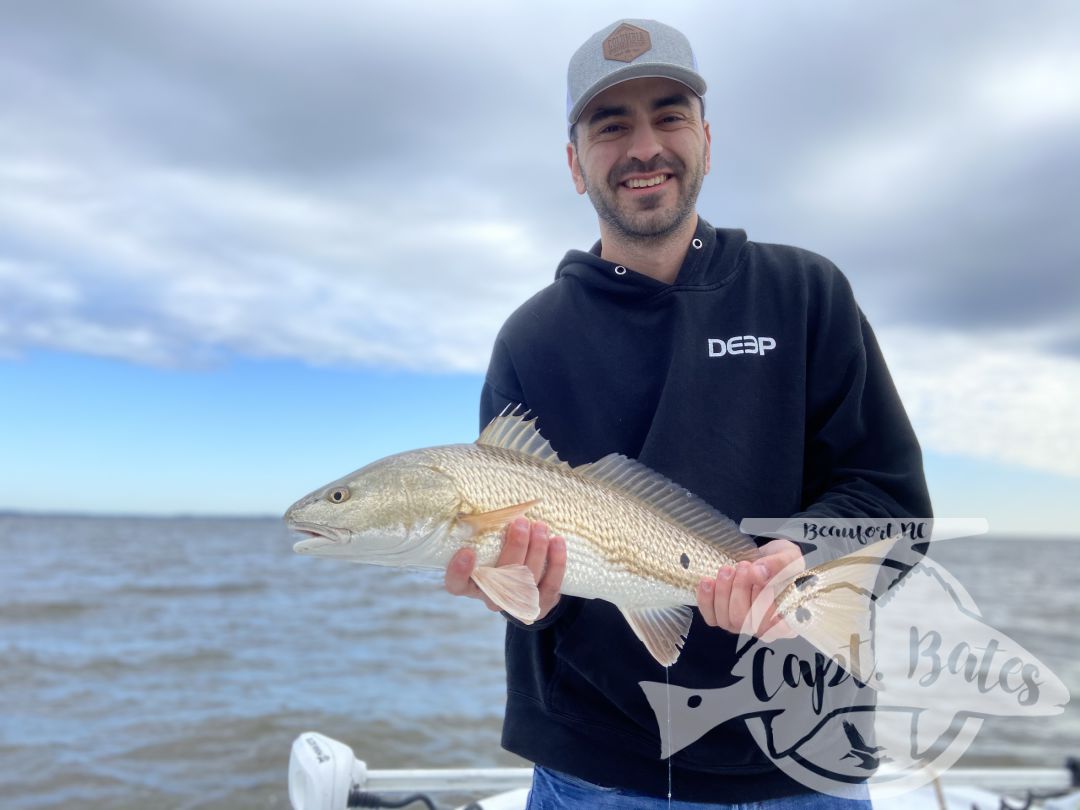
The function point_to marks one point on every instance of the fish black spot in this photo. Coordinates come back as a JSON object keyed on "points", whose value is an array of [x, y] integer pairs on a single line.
{"points": [[803, 615], [805, 582], [685, 561], [693, 701]]}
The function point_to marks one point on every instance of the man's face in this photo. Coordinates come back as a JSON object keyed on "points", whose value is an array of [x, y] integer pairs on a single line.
{"points": [[641, 151]]}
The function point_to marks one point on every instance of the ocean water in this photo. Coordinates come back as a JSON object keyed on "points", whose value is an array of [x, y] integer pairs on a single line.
{"points": [[171, 662]]}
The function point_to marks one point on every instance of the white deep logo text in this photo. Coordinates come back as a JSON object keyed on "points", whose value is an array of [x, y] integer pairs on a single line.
{"points": [[740, 344]]}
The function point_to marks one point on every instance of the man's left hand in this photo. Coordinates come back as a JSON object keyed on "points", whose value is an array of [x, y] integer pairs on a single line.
{"points": [[725, 601]]}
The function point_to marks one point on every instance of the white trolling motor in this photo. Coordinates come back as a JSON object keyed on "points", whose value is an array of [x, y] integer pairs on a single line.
{"points": [[322, 773]]}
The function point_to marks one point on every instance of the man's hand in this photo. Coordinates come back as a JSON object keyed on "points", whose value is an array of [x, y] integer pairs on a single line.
{"points": [[525, 544], [725, 601]]}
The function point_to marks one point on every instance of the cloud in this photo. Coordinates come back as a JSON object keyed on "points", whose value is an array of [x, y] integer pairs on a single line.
{"points": [[298, 185], [217, 264], [975, 203], [930, 151], [349, 184], [994, 398]]}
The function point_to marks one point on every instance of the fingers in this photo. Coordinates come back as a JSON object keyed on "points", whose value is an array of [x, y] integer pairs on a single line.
{"points": [[727, 601], [530, 544], [763, 615], [524, 543], [458, 571], [741, 596], [705, 590], [545, 556], [537, 547], [778, 554], [714, 597], [780, 563], [458, 580], [550, 584], [515, 546]]}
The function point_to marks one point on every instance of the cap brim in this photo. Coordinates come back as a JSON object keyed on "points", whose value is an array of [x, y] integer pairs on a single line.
{"points": [[650, 70]]}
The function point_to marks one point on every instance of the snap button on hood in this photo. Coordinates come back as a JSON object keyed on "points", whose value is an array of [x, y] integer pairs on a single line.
{"points": [[712, 258]]}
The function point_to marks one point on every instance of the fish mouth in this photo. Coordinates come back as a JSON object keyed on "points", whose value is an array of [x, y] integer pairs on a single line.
{"points": [[318, 537]]}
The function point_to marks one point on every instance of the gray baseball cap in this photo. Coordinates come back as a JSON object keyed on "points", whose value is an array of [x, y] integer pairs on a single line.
{"points": [[624, 50]]}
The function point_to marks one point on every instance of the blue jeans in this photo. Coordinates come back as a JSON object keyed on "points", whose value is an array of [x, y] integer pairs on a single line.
{"points": [[552, 790]]}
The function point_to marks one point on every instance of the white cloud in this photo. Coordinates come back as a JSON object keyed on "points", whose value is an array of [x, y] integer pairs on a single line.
{"points": [[993, 397], [201, 264], [1034, 90], [35, 285], [988, 107]]}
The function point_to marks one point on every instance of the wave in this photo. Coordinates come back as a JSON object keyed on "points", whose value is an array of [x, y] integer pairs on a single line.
{"points": [[19, 662], [173, 590], [47, 611]]}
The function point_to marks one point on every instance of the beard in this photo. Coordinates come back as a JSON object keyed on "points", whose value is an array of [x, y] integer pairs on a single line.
{"points": [[646, 218]]}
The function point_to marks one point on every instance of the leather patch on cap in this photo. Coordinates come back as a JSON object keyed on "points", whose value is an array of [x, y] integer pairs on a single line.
{"points": [[626, 43]]}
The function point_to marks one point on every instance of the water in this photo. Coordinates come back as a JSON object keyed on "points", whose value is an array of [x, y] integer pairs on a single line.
{"points": [[171, 662]]}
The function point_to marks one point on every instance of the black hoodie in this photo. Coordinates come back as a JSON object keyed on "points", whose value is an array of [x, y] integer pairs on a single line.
{"points": [[755, 382]]}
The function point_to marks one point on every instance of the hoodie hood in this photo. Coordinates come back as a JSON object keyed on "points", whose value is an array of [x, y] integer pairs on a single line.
{"points": [[713, 258]]}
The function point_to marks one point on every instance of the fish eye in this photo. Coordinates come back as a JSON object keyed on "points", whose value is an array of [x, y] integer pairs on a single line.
{"points": [[339, 495]]}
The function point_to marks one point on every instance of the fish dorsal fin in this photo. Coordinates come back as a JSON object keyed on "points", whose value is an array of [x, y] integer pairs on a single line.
{"points": [[511, 430], [674, 502]]}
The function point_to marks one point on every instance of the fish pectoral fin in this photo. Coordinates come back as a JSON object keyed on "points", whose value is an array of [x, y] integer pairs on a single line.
{"points": [[484, 522], [512, 588], [661, 630]]}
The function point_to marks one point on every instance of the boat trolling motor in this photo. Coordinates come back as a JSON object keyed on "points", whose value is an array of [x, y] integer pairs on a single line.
{"points": [[324, 774]]}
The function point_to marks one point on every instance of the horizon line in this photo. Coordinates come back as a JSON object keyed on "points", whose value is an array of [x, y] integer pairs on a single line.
{"points": [[1006, 534]]}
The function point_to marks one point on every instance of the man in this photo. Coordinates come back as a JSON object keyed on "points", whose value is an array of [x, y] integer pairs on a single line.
{"points": [[743, 371]]}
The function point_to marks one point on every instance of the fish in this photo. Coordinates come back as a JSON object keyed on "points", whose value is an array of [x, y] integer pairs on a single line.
{"points": [[633, 537]]}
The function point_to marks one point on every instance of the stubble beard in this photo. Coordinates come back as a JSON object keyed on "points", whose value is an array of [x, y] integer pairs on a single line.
{"points": [[646, 223]]}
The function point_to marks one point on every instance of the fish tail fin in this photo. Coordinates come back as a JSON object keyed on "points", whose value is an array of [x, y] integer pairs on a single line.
{"points": [[837, 617]]}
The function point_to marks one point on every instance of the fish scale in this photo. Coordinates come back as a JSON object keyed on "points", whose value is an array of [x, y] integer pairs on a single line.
{"points": [[618, 549]]}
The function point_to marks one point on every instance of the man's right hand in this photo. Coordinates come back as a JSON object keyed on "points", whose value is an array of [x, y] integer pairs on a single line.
{"points": [[524, 544]]}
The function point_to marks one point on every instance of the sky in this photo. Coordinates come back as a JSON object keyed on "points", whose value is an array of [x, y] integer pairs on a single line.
{"points": [[248, 247]]}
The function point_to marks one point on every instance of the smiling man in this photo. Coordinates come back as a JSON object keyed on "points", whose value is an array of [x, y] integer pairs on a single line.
{"points": [[640, 151], [741, 370]]}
